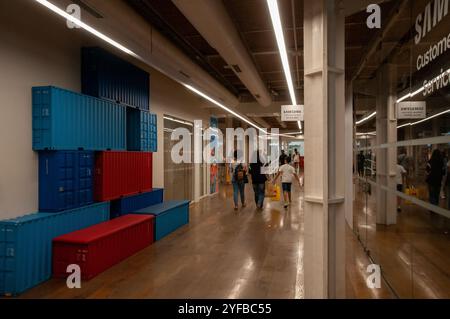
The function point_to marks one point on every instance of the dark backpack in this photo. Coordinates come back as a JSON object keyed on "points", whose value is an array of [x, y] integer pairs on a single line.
{"points": [[239, 173]]}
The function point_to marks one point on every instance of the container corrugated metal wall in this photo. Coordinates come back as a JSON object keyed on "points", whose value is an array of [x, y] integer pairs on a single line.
{"points": [[65, 120], [132, 203], [66, 179], [108, 77], [141, 131], [26, 244], [153, 133], [100, 247], [119, 174]]}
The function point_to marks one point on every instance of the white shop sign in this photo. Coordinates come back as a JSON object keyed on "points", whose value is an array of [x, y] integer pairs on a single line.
{"points": [[411, 110], [292, 113]]}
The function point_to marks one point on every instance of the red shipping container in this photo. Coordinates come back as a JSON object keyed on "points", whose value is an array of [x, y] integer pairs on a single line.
{"points": [[119, 174], [99, 247]]}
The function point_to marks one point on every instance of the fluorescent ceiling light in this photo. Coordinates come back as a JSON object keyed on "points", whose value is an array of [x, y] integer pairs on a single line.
{"points": [[366, 118], [410, 95], [86, 27], [203, 95], [367, 133], [107, 39], [294, 133], [178, 121], [278, 29], [425, 119]]}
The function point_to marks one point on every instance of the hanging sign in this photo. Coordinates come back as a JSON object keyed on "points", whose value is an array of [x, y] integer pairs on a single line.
{"points": [[411, 110], [292, 113]]}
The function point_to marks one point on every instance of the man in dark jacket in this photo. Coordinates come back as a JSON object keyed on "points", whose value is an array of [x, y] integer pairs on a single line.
{"points": [[435, 172], [282, 157], [258, 182]]}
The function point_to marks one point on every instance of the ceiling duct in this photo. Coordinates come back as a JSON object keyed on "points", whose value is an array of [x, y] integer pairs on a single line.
{"points": [[212, 21]]}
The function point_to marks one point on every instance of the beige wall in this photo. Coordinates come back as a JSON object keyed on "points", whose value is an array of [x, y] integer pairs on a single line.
{"points": [[37, 49], [170, 98], [31, 54]]}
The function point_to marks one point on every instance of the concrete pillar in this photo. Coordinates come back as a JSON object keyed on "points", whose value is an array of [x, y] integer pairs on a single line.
{"points": [[324, 60], [349, 154], [386, 159]]}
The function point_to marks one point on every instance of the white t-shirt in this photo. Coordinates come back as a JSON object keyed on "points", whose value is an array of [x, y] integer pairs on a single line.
{"points": [[296, 158], [400, 171], [287, 173]]}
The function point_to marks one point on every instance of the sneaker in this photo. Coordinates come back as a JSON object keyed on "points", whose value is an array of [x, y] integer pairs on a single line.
{"points": [[286, 205], [399, 209]]}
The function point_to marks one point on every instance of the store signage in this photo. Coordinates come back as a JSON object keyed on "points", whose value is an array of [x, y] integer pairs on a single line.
{"points": [[292, 113], [435, 11], [436, 84], [411, 110], [433, 14]]}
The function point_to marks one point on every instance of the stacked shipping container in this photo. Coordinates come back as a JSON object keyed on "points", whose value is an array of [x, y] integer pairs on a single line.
{"points": [[118, 174], [67, 128]]}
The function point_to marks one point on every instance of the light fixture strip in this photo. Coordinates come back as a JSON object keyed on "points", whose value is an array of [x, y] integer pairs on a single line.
{"points": [[277, 26], [107, 39], [366, 118], [178, 121], [278, 29], [425, 119], [410, 95], [86, 27]]}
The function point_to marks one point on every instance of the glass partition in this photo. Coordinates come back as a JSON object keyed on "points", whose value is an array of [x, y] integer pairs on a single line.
{"points": [[401, 212]]}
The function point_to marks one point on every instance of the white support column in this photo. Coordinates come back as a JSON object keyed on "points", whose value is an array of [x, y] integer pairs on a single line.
{"points": [[349, 158], [324, 60], [386, 133]]}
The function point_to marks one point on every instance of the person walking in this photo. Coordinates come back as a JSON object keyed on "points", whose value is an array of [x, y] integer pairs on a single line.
{"points": [[282, 157], [400, 177], [238, 179], [296, 161], [258, 182], [361, 162], [287, 173], [435, 171]]}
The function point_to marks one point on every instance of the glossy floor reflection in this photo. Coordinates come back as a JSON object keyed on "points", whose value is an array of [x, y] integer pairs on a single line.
{"points": [[414, 253], [220, 254]]}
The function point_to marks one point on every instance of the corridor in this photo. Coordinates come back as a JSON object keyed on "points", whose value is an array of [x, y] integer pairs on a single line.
{"points": [[220, 254]]}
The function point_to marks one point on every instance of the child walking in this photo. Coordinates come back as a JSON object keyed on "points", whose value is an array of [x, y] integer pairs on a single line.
{"points": [[287, 173]]}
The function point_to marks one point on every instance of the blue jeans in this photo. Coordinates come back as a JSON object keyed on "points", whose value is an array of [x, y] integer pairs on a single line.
{"points": [[260, 190], [238, 188]]}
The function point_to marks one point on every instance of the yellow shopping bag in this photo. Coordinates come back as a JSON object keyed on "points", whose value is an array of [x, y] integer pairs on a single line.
{"points": [[411, 191], [276, 193]]}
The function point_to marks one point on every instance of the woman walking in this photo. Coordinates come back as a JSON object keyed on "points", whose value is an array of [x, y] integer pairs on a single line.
{"points": [[296, 161], [238, 179], [435, 171]]}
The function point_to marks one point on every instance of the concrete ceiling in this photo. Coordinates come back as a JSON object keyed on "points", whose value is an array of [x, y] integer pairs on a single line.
{"points": [[366, 49]]}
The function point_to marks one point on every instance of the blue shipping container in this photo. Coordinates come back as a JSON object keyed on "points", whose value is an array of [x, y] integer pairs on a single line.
{"points": [[65, 120], [26, 244], [169, 216], [106, 76], [127, 204], [153, 133], [66, 179], [141, 131]]}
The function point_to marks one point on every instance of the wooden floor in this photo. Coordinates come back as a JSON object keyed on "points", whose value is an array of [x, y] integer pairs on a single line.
{"points": [[221, 254], [414, 254]]}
